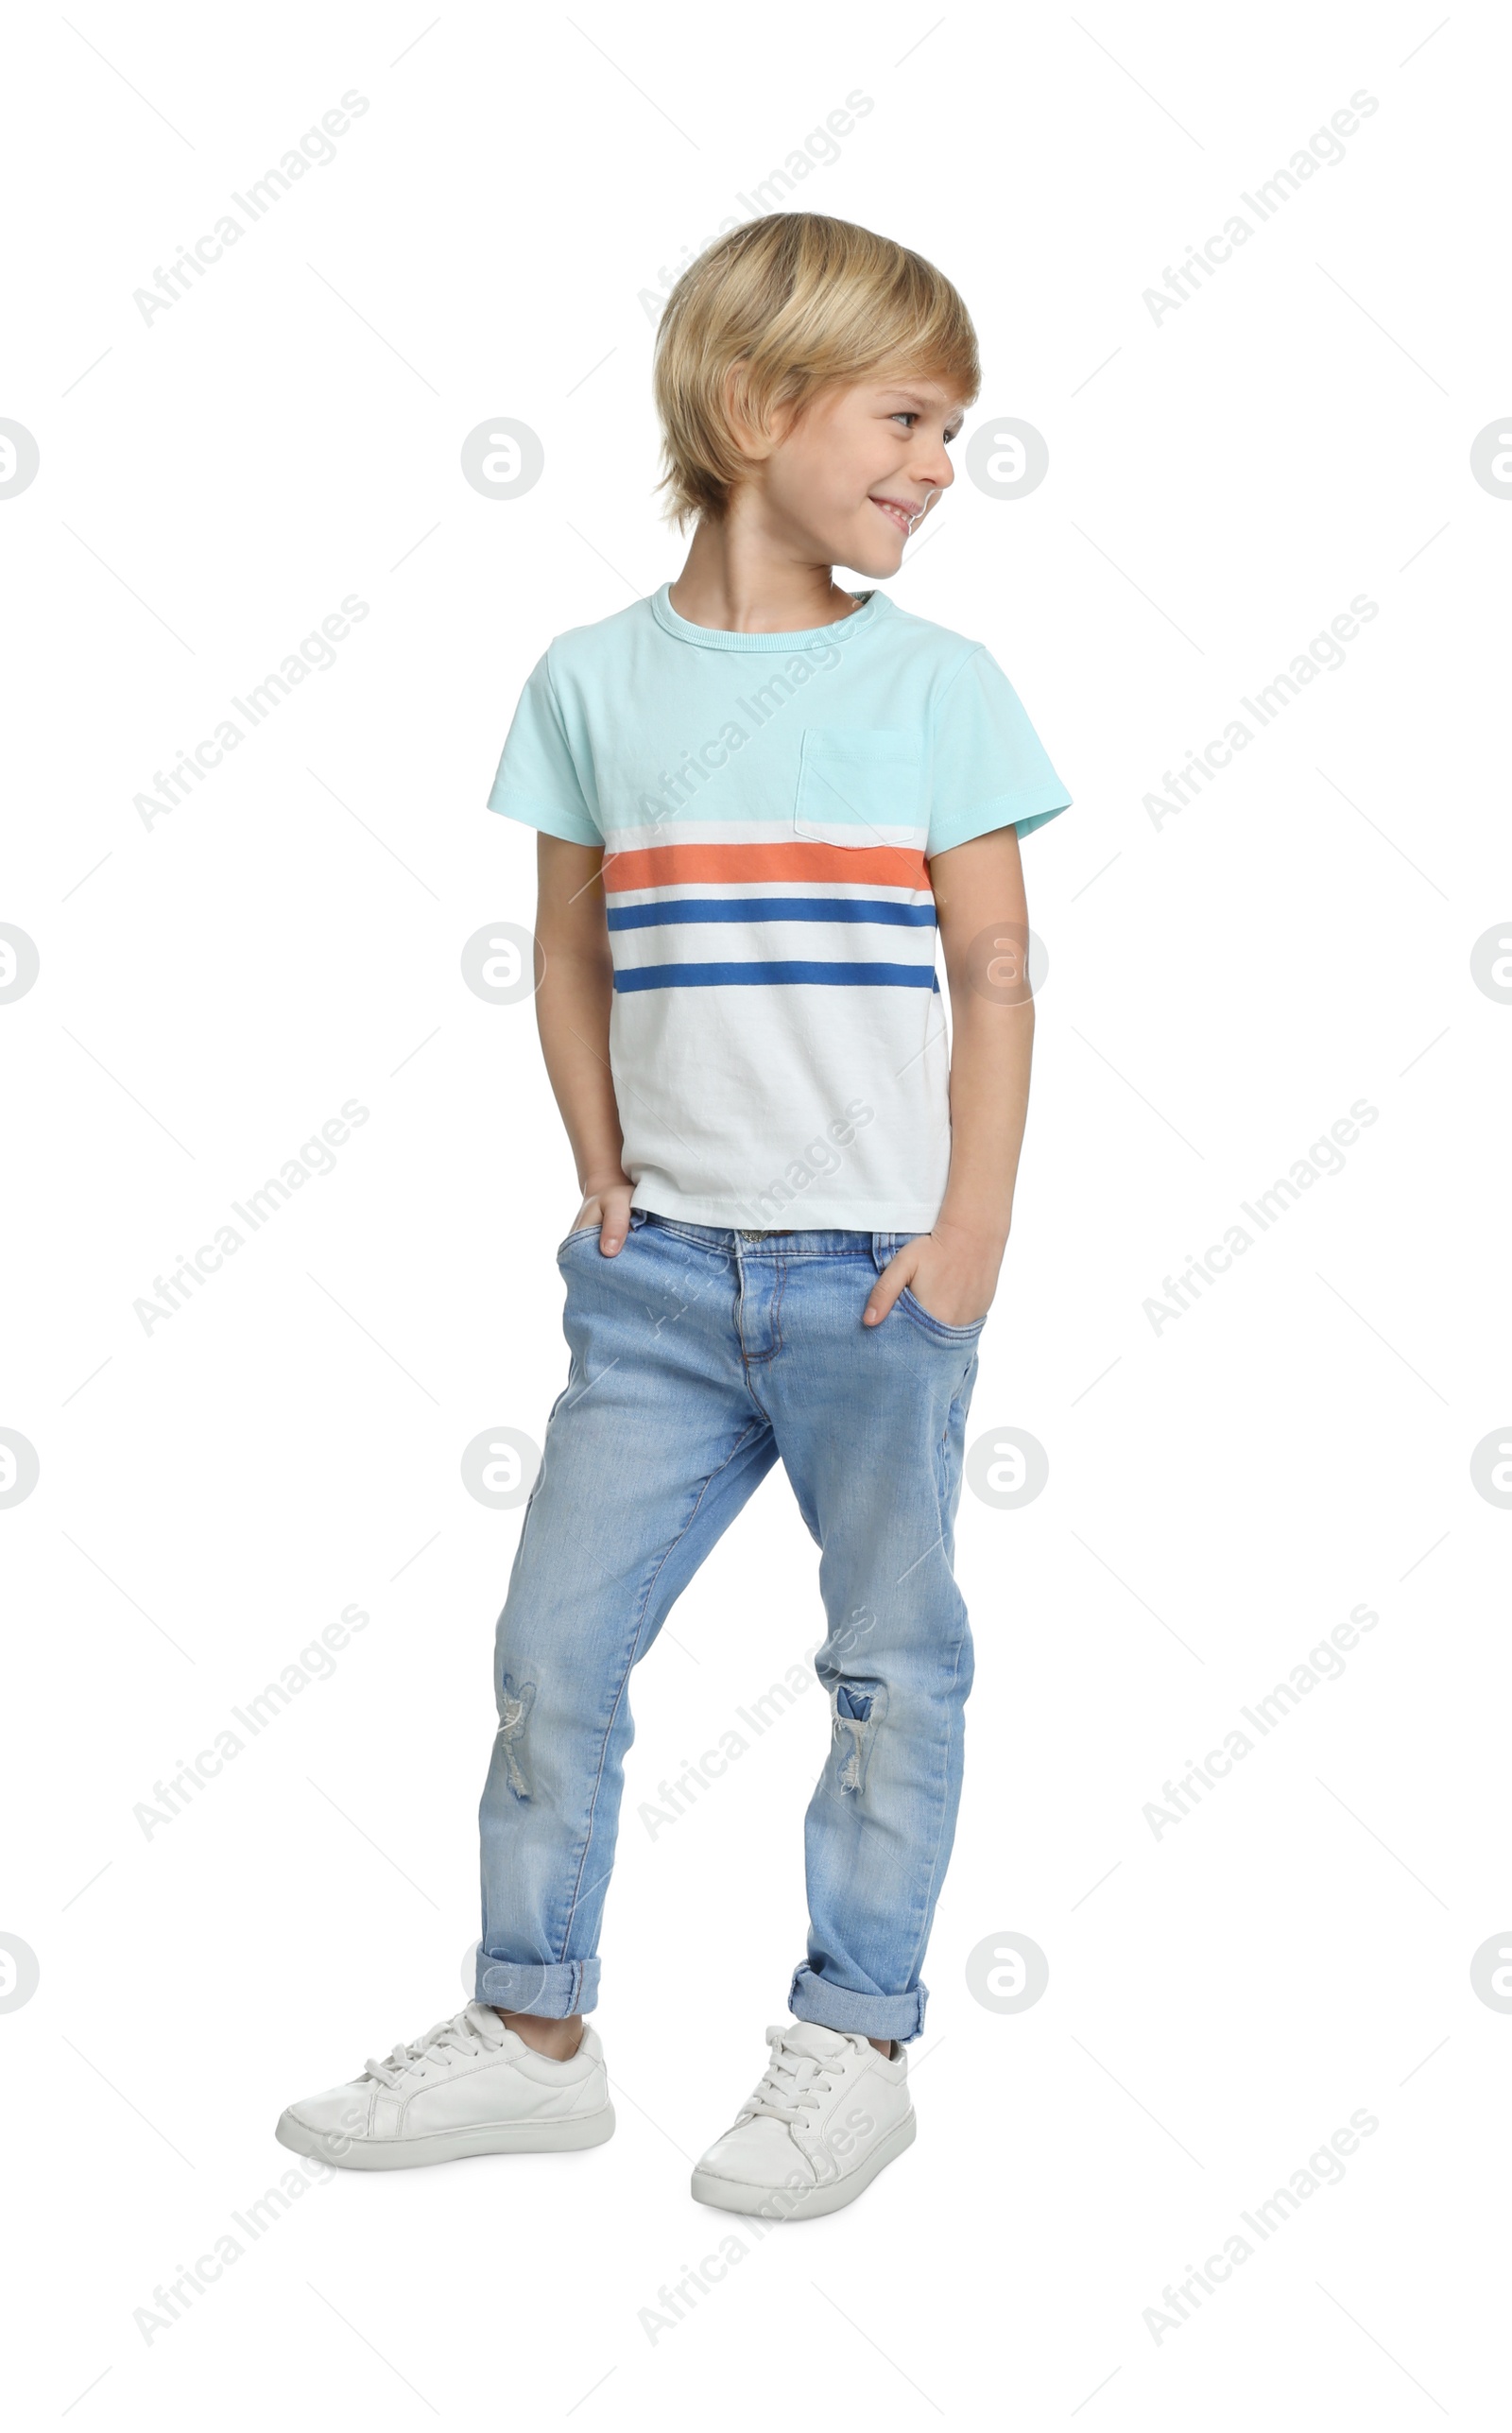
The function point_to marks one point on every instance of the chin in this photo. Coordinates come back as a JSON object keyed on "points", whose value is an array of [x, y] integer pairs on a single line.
{"points": [[877, 562]]}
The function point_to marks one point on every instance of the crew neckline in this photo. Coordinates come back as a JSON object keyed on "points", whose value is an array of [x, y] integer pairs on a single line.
{"points": [[714, 637]]}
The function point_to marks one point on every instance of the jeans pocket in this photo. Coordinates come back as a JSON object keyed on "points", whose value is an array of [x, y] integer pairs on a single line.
{"points": [[936, 1325], [884, 1247], [580, 1234]]}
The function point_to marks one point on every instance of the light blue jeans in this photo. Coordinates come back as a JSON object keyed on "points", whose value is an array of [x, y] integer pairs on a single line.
{"points": [[699, 1355]]}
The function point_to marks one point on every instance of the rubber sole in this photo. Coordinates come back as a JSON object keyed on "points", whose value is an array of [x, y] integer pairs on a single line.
{"points": [[742, 2196], [447, 2146]]}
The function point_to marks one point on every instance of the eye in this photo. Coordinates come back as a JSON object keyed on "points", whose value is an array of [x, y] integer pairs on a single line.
{"points": [[904, 414]]}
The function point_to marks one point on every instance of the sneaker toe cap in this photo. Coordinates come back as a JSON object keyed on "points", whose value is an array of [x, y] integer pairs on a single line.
{"points": [[757, 2154], [341, 2112]]}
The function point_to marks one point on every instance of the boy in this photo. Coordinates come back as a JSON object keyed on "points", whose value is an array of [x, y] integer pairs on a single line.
{"points": [[757, 797]]}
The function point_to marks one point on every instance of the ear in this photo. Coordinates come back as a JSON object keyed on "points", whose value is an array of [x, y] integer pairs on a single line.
{"points": [[755, 446]]}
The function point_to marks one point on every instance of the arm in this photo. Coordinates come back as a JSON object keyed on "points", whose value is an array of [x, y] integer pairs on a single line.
{"points": [[571, 1014], [984, 928]]}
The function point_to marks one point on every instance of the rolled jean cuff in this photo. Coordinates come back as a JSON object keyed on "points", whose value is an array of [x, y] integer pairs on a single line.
{"points": [[554, 1989], [859, 2015]]}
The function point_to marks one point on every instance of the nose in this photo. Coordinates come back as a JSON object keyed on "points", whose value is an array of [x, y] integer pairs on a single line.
{"points": [[933, 467]]}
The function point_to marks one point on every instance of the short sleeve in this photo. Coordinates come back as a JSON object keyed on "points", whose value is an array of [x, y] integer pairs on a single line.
{"points": [[538, 780], [987, 768]]}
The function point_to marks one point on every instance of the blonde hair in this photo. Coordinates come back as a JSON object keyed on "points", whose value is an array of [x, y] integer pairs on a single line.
{"points": [[793, 304]]}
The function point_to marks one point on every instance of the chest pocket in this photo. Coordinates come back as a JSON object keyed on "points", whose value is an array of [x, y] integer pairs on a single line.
{"points": [[861, 787]]}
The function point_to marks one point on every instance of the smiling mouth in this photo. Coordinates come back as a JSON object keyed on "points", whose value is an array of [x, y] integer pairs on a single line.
{"points": [[897, 512]]}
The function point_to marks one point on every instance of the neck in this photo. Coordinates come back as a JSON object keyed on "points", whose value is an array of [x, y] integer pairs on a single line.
{"points": [[740, 577]]}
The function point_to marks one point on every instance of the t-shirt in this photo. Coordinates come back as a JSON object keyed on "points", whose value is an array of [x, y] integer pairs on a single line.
{"points": [[767, 804]]}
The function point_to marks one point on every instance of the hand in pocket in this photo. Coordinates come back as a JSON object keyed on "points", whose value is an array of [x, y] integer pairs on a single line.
{"points": [[610, 1210]]}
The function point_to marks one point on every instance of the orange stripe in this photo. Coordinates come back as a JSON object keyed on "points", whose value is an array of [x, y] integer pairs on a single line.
{"points": [[675, 865]]}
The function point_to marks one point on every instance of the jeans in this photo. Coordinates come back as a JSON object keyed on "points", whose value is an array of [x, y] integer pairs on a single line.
{"points": [[699, 1357]]}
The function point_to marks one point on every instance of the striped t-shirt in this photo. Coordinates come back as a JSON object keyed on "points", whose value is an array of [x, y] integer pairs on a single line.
{"points": [[768, 805]]}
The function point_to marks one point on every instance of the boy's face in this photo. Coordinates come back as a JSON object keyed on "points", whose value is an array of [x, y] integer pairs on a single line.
{"points": [[848, 481]]}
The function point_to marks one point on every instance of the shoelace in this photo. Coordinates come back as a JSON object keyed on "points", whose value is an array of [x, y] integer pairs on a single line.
{"points": [[460, 2035], [792, 2083]]}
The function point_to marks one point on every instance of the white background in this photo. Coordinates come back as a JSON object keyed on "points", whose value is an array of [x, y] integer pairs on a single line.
{"points": [[1221, 988]]}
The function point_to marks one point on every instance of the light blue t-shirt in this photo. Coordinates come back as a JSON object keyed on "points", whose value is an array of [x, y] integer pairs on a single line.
{"points": [[768, 805]]}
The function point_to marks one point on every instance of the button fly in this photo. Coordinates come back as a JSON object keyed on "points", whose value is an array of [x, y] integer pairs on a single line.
{"points": [[757, 1301]]}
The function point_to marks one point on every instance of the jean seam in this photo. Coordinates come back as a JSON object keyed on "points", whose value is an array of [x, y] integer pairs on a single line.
{"points": [[921, 1940], [752, 1429], [535, 1484], [944, 1772]]}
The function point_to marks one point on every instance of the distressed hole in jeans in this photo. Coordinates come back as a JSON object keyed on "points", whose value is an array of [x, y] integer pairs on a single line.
{"points": [[857, 1713], [515, 1703]]}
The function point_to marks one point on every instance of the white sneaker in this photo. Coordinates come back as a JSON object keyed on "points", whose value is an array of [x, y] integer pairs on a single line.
{"points": [[470, 2086], [830, 2113]]}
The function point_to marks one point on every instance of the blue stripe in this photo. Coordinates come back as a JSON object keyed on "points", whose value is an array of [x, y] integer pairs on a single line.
{"points": [[747, 976], [773, 908]]}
